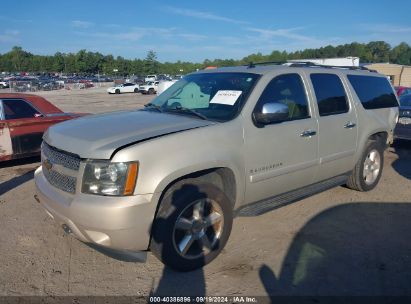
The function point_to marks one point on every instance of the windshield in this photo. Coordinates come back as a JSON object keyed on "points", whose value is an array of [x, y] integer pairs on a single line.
{"points": [[405, 101], [216, 96]]}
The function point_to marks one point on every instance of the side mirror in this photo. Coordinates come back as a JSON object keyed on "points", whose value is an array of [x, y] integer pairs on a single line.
{"points": [[271, 113]]}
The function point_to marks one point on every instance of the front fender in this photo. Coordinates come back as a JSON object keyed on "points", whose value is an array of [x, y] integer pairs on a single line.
{"points": [[170, 157]]}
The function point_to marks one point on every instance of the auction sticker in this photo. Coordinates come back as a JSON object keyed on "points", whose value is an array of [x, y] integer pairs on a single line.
{"points": [[226, 97]]}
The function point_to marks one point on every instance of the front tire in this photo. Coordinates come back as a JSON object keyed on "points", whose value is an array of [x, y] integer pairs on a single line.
{"points": [[192, 226], [117, 91], [151, 91], [367, 172]]}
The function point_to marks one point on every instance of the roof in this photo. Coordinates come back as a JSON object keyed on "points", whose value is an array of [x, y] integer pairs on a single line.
{"points": [[265, 69], [38, 102]]}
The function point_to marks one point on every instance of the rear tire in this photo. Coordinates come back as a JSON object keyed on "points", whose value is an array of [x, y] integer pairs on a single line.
{"points": [[367, 172], [135, 90], [192, 226]]}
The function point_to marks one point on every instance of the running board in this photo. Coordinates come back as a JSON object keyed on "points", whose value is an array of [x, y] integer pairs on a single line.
{"points": [[275, 202]]}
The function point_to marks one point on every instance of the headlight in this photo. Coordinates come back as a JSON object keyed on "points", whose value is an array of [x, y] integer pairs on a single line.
{"points": [[107, 178]]}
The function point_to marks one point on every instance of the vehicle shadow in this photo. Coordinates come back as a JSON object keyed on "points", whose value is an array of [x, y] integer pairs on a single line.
{"points": [[16, 181], [356, 249], [403, 164], [124, 256], [23, 174], [19, 162]]}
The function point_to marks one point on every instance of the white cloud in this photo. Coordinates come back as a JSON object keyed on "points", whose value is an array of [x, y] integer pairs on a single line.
{"points": [[14, 20], [81, 24], [386, 28], [192, 37], [137, 33], [283, 33], [9, 36], [202, 15]]}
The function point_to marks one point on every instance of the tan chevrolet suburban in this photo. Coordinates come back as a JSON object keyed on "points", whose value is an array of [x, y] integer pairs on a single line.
{"points": [[170, 177]]}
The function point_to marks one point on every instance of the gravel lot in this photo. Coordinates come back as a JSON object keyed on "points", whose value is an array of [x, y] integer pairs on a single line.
{"points": [[339, 242]]}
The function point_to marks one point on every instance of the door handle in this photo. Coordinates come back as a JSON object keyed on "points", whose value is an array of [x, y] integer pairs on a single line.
{"points": [[349, 125], [308, 133]]}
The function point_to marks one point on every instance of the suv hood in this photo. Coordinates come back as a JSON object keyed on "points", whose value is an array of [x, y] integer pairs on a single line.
{"points": [[98, 136]]}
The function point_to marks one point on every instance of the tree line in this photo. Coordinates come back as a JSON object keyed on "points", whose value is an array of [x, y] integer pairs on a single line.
{"points": [[85, 62]]}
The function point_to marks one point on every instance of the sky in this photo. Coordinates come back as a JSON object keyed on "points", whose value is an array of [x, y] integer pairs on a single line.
{"points": [[198, 30]]}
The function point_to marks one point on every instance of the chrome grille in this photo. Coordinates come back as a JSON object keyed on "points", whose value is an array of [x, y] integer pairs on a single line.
{"points": [[51, 157], [61, 158], [60, 181]]}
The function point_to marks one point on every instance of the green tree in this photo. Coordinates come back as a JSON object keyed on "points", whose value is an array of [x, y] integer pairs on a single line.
{"points": [[151, 65], [380, 51], [401, 54]]}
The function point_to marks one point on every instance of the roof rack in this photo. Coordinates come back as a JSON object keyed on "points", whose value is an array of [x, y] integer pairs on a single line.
{"points": [[309, 64], [253, 64], [315, 65]]}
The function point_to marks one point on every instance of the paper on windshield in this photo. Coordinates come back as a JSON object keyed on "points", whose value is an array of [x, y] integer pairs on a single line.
{"points": [[226, 97]]}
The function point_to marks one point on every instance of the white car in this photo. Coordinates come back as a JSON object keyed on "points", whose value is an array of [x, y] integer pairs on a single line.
{"points": [[4, 84], [150, 87], [127, 87], [150, 78], [164, 85]]}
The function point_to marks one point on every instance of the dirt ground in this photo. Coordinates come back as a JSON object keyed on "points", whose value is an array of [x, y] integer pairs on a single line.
{"points": [[339, 242]]}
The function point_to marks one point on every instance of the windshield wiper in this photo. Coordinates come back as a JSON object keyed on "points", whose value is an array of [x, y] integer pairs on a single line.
{"points": [[153, 106], [189, 111]]}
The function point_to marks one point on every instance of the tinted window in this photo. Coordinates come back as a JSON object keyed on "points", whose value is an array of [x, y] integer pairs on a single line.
{"points": [[16, 108], [330, 94], [287, 89], [405, 100], [373, 92]]}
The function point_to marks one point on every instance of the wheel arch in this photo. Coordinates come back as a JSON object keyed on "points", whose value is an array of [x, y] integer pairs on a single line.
{"points": [[222, 177], [379, 136]]}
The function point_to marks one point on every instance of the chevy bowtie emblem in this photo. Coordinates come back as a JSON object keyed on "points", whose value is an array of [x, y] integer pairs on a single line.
{"points": [[47, 164]]}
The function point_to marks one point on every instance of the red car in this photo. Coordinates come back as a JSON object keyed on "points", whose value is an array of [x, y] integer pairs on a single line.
{"points": [[23, 120], [402, 91]]}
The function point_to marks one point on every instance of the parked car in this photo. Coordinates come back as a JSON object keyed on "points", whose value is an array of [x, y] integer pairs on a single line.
{"points": [[164, 85], [150, 78], [23, 120], [401, 90], [4, 84], [403, 128], [127, 87], [238, 140], [149, 88]]}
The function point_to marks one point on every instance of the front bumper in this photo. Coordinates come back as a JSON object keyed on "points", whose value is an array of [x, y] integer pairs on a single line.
{"points": [[121, 223], [402, 131]]}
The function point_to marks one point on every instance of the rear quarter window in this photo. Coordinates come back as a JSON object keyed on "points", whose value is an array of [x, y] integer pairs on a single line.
{"points": [[373, 92]]}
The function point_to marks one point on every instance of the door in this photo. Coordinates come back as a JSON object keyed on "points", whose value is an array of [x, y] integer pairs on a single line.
{"points": [[128, 87], [6, 150], [281, 156], [26, 126], [337, 121]]}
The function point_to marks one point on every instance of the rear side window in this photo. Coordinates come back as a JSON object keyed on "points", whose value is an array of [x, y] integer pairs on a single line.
{"points": [[373, 92], [330, 94], [17, 108]]}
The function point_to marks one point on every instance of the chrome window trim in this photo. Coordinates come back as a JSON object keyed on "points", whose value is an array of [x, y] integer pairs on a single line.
{"points": [[1, 110]]}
